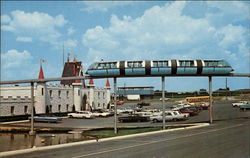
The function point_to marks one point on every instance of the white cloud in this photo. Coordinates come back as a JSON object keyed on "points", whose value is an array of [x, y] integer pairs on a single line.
{"points": [[165, 33], [70, 44], [5, 19], [71, 31], [37, 25], [103, 6], [24, 39], [15, 59], [227, 12]]}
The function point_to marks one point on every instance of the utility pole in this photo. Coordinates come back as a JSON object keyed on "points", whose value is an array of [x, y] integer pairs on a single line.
{"points": [[163, 102], [115, 100], [32, 132]]}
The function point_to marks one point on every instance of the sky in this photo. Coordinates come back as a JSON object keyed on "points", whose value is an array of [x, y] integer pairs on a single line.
{"points": [[125, 30]]}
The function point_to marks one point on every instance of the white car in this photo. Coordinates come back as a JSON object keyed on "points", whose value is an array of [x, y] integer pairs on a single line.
{"points": [[125, 110], [169, 116], [239, 103], [101, 113], [81, 114]]}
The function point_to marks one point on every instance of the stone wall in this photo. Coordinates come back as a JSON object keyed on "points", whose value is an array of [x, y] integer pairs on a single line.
{"points": [[60, 98], [16, 100], [15, 106]]}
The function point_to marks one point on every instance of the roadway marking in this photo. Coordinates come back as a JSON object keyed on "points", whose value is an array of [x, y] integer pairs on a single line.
{"points": [[153, 142]]}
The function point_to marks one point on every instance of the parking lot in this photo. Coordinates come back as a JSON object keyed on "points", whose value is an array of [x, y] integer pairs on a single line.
{"points": [[222, 110]]}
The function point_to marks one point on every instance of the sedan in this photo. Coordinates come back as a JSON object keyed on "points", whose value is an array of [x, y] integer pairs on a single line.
{"points": [[48, 119], [133, 118], [81, 114], [191, 111]]}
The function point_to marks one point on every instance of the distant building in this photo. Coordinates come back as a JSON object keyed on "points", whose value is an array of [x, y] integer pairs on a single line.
{"points": [[60, 98], [142, 92]]}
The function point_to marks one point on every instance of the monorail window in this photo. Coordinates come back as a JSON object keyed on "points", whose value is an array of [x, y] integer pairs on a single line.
{"points": [[186, 63], [215, 63], [160, 63], [135, 64], [106, 65]]}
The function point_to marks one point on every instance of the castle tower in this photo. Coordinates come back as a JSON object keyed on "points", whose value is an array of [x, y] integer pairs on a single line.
{"points": [[77, 87], [91, 87], [107, 87], [40, 94], [71, 69]]}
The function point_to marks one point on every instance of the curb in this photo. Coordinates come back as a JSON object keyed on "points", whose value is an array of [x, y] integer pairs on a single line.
{"points": [[25, 151], [4, 123]]}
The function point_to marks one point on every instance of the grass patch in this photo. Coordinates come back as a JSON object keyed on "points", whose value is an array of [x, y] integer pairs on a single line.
{"points": [[103, 133]]}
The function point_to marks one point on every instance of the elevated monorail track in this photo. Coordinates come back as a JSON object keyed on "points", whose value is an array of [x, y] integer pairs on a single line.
{"points": [[88, 77]]}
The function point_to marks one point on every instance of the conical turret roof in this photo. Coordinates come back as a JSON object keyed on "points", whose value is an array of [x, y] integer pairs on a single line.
{"points": [[41, 75]]}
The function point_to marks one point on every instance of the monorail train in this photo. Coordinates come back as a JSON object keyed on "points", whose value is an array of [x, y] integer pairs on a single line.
{"points": [[159, 68]]}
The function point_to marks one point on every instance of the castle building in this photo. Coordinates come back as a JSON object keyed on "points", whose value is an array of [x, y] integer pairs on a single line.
{"points": [[68, 96]]}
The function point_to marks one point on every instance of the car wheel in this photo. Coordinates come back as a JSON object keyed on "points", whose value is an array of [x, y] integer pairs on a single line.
{"points": [[70, 116], [155, 120]]}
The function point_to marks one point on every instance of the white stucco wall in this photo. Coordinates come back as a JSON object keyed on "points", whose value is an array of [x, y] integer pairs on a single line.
{"points": [[19, 97]]}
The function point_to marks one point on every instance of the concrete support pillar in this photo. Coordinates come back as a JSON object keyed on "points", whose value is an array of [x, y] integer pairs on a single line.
{"points": [[163, 102], [210, 100], [32, 132], [115, 100]]}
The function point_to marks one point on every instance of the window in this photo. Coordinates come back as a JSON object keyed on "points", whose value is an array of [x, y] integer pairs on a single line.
{"points": [[50, 108], [160, 63], [25, 109], [67, 107], [134, 64], [12, 110], [67, 93], [50, 93], [212, 63], [42, 91], [59, 94], [78, 92], [59, 108], [98, 104], [186, 63], [98, 95]]}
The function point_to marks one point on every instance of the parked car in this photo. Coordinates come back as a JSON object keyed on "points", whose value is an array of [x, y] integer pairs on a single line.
{"points": [[133, 118], [204, 105], [141, 104], [82, 114], [180, 106], [47, 119], [245, 106], [190, 111], [125, 110], [237, 104], [169, 116], [101, 113], [119, 102]]}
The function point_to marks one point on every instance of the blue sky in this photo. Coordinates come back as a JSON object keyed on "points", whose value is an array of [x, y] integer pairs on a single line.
{"points": [[125, 30]]}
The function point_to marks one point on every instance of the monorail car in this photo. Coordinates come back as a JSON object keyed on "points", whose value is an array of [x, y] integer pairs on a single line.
{"points": [[159, 68]]}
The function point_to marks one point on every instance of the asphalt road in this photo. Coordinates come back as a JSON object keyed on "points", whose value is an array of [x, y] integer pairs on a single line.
{"points": [[223, 139], [227, 137]]}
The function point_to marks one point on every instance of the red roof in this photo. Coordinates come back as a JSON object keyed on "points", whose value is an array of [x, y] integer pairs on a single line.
{"points": [[71, 69], [107, 83], [91, 82], [41, 75]]}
